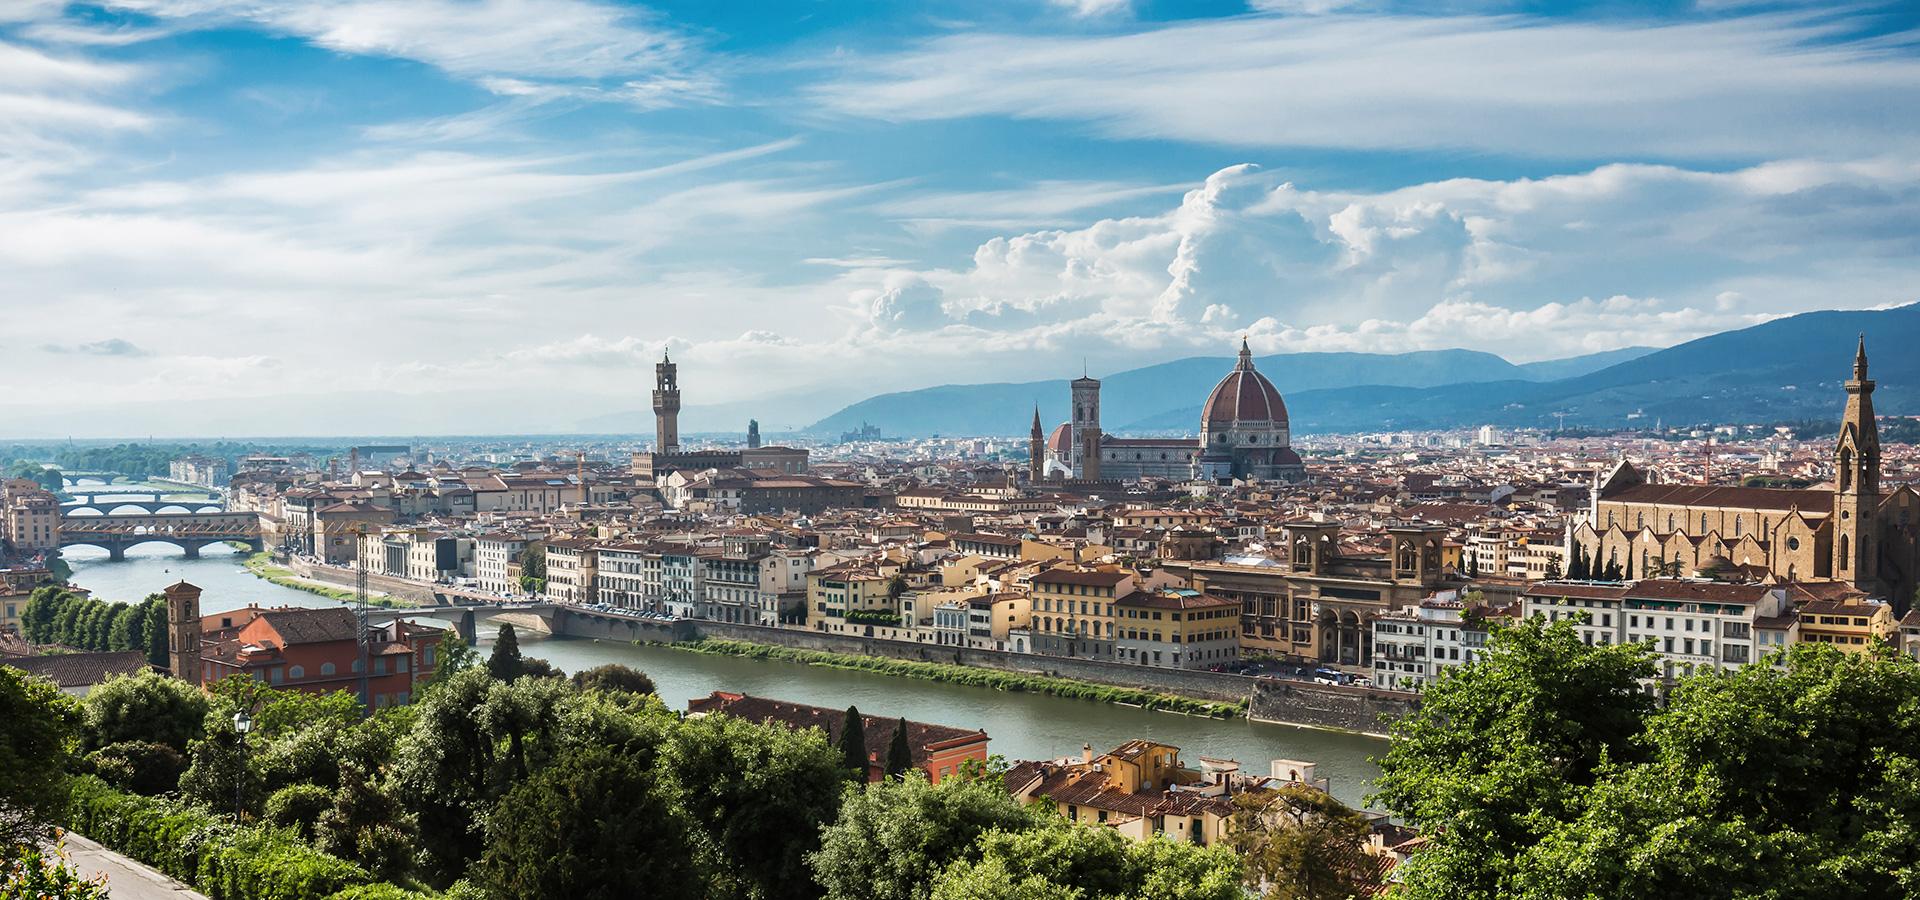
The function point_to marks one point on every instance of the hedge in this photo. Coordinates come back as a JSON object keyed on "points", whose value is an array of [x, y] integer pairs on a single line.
{"points": [[221, 859], [970, 675]]}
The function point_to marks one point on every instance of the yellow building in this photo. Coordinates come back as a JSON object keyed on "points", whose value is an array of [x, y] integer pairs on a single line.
{"points": [[853, 587], [1177, 629], [1131, 790], [1073, 610], [1854, 625]]}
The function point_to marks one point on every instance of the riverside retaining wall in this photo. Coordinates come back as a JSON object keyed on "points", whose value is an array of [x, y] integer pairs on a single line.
{"points": [[411, 591], [1269, 700]]}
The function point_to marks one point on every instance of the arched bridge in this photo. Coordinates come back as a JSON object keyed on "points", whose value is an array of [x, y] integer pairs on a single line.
{"points": [[77, 478], [106, 503], [188, 531]]}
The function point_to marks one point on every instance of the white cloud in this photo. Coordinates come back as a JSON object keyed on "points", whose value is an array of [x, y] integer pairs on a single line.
{"points": [[514, 47], [1757, 87], [1089, 8]]}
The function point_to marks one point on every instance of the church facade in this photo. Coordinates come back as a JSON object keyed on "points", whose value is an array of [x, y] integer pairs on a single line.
{"points": [[1244, 433], [1850, 531]]}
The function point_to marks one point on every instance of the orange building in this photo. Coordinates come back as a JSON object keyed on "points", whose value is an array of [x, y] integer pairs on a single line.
{"points": [[316, 650]]}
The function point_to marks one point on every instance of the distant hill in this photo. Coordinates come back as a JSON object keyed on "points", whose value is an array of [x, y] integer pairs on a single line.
{"points": [[1790, 368], [1137, 394], [1574, 366], [1167, 397], [1787, 369]]}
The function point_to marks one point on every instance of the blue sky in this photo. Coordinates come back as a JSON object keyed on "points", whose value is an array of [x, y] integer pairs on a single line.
{"points": [[420, 216]]}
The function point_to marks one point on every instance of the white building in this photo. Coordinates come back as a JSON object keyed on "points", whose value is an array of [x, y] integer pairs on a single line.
{"points": [[1414, 645], [1692, 624], [492, 553]]}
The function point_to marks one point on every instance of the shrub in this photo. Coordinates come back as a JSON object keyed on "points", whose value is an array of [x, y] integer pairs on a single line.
{"points": [[143, 767], [223, 860], [298, 807]]}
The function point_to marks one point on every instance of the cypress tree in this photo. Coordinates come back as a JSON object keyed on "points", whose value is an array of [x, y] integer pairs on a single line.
{"points": [[505, 663], [853, 744], [154, 633], [899, 753]]}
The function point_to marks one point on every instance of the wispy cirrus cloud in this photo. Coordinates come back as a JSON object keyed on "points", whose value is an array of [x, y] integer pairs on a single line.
{"points": [[576, 48], [1751, 87]]}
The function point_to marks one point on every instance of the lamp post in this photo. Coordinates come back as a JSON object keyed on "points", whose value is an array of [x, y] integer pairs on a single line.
{"points": [[242, 723]]}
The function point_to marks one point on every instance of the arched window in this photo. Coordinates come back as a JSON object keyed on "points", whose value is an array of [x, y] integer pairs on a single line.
{"points": [[1669, 521], [1843, 551], [326, 669], [297, 672], [1703, 523], [1846, 469]]}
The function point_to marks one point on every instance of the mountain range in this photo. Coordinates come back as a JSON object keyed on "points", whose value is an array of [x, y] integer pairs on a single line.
{"points": [[1786, 369]]}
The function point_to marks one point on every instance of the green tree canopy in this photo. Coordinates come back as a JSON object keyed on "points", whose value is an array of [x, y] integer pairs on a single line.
{"points": [[761, 794], [899, 751], [853, 744], [892, 839], [613, 677], [505, 663], [1299, 843], [1058, 859], [593, 826], [40, 723], [144, 707]]}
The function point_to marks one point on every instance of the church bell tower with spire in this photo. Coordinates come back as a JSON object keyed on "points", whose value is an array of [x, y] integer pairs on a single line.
{"points": [[1037, 450], [1856, 482]]}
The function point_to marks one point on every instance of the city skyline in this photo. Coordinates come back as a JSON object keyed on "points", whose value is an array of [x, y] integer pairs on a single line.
{"points": [[515, 207]]}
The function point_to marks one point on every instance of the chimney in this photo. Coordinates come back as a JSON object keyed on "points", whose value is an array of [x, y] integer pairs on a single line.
{"points": [[1086, 754]]}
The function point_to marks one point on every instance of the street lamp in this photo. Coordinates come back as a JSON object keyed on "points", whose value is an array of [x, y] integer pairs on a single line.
{"points": [[242, 723]]}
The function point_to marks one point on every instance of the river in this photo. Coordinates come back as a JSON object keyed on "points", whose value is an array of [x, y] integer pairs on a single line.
{"points": [[1019, 726]]}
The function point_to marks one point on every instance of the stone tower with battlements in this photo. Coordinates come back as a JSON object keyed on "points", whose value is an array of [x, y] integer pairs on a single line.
{"points": [[1086, 428], [666, 406]]}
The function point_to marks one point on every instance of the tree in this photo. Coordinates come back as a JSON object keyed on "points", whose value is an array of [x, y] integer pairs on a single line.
{"points": [[1797, 781], [853, 745], [761, 793], [155, 634], [144, 707], [1553, 568], [455, 655], [298, 807], [39, 726], [218, 775], [505, 663], [1501, 749], [1473, 565], [365, 824], [471, 739], [143, 767], [1058, 859], [892, 839], [533, 568], [613, 677], [899, 751], [594, 826], [1299, 843]]}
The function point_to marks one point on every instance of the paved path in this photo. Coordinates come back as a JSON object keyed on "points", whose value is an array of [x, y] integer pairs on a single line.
{"points": [[126, 879]]}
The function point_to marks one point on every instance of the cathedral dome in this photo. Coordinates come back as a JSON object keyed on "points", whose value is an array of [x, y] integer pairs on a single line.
{"points": [[1245, 398], [1061, 441]]}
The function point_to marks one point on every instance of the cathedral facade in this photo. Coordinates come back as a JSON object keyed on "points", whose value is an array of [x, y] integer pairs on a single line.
{"points": [[1848, 532], [1244, 433]]}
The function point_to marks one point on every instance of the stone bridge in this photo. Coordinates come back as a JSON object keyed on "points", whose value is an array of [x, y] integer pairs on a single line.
{"points": [[188, 531], [553, 618], [106, 503], [77, 478]]}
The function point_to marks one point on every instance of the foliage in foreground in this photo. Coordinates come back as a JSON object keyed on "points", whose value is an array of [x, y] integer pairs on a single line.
{"points": [[1544, 772], [28, 873]]}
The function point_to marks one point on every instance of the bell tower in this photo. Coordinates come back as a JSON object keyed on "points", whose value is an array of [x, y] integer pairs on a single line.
{"points": [[1856, 482], [183, 632], [1086, 428], [1036, 450], [666, 406]]}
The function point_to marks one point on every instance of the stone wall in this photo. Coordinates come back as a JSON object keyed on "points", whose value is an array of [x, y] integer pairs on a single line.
{"points": [[411, 591], [600, 626], [1270, 700]]}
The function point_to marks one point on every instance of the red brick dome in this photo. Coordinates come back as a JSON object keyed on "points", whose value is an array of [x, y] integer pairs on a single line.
{"points": [[1243, 397], [1061, 440]]}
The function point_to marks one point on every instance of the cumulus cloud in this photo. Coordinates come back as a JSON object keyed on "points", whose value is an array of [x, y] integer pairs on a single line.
{"points": [[1503, 84]]}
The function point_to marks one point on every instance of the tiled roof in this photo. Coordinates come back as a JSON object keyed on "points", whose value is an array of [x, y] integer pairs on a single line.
{"points": [[82, 669], [1811, 503], [922, 737]]}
